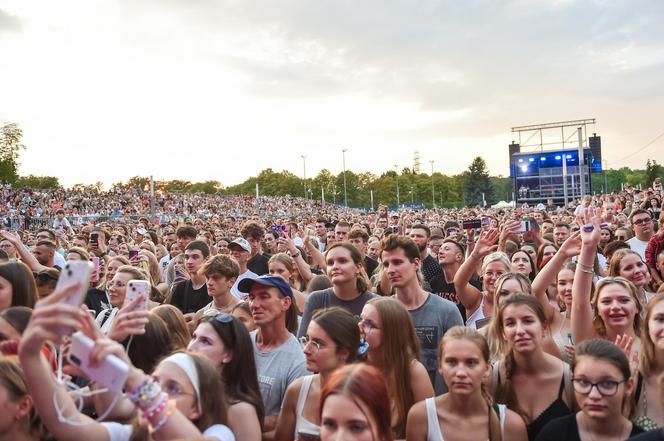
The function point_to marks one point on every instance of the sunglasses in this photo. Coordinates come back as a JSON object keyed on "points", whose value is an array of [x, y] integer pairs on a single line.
{"points": [[221, 317]]}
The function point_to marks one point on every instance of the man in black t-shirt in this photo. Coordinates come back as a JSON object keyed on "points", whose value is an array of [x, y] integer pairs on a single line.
{"points": [[191, 295], [450, 257], [430, 268], [254, 233]]}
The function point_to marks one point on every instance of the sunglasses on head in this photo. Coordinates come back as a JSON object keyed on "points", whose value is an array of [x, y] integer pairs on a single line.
{"points": [[221, 317]]}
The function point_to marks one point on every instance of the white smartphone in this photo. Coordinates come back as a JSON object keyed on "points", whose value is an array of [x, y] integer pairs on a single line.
{"points": [[525, 226], [110, 373], [137, 288], [75, 271]]}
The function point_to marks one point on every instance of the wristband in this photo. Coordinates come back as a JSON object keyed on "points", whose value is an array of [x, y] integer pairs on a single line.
{"points": [[167, 415], [145, 393], [157, 408], [584, 268]]}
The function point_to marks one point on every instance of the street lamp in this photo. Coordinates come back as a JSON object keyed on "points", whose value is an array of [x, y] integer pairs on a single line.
{"points": [[304, 166], [343, 154], [433, 197], [396, 169]]}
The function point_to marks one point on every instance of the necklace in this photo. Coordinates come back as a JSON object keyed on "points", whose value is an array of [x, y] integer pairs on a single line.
{"points": [[583, 426]]}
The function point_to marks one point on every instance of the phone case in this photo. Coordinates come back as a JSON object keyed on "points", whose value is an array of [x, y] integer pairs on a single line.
{"points": [[75, 271], [136, 288], [110, 373]]}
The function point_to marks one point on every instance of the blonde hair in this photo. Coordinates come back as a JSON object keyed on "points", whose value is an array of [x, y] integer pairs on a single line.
{"points": [[497, 256], [647, 356], [598, 323], [471, 335]]}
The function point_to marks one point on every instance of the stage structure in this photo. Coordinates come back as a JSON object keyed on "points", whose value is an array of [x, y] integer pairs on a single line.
{"points": [[557, 167]]}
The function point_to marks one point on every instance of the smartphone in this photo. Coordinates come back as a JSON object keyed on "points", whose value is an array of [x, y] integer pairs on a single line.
{"points": [[277, 228], [179, 274], [133, 254], [110, 373], [137, 288], [525, 226], [94, 238], [471, 224], [95, 269], [75, 271], [485, 221]]}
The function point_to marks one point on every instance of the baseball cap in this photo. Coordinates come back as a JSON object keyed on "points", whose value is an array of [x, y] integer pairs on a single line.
{"points": [[242, 243], [246, 285]]}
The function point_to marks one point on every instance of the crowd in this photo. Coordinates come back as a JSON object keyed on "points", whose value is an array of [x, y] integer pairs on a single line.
{"points": [[284, 319]]}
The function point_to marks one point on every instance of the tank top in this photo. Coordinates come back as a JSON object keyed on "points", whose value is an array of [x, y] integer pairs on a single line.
{"points": [[478, 314], [305, 429], [556, 409], [559, 340], [433, 427]]}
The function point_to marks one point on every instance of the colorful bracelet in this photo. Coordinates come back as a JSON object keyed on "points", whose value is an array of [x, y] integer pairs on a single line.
{"points": [[167, 415], [157, 408], [146, 393]]}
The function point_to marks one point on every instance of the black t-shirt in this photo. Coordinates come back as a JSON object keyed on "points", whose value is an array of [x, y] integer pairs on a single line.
{"points": [[370, 265], [258, 264], [431, 268], [446, 290], [651, 435], [566, 429], [187, 299], [97, 300]]}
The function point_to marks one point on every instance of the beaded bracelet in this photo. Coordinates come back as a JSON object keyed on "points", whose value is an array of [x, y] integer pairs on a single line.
{"points": [[146, 393], [167, 415], [157, 408]]}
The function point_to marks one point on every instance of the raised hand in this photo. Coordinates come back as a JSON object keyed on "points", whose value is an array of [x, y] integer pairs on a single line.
{"points": [[486, 243], [590, 231], [572, 245]]}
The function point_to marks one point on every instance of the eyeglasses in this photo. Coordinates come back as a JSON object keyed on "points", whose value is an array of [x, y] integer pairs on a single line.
{"points": [[641, 221], [305, 340], [606, 388], [367, 325], [116, 285]]}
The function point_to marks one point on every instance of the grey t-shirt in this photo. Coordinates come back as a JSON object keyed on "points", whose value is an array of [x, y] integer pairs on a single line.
{"points": [[327, 299], [431, 321], [276, 370]]}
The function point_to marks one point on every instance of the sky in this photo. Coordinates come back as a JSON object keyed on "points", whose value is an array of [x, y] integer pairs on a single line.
{"points": [[222, 89]]}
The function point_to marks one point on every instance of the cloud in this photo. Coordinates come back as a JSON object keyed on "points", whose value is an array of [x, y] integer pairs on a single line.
{"points": [[9, 22]]}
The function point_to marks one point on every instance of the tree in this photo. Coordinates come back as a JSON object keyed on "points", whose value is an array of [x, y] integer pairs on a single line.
{"points": [[39, 182], [653, 171], [10, 146], [475, 182]]}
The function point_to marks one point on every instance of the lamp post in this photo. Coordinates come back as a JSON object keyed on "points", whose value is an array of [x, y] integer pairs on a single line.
{"points": [[304, 166], [396, 169], [343, 154], [433, 196]]}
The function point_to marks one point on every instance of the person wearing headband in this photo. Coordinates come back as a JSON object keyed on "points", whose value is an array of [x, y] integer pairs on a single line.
{"points": [[183, 400]]}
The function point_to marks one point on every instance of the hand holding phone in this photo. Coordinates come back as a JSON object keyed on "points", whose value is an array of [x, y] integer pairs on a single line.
{"points": [[110, 373], [75, 271], [137, 294]]}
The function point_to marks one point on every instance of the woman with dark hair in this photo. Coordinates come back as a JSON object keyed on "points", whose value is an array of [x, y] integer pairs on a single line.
{"points": [[13, 322], [350, 284], [523, 263], [355, 406], [332, 341], [602, 386], [17, 285], [225, 341], [464, 363]]}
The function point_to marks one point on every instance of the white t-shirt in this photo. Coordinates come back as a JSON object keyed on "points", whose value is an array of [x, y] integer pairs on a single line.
{"points": [[245, 275], [123, 432], [639, 246]]}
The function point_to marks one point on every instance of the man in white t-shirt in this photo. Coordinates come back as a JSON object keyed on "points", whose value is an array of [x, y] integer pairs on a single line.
{"points": [[642, 224], [241, 251]]}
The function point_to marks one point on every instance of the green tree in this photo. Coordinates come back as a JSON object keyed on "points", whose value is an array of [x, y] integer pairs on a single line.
{"points": [[475, 182], [40, 182], [11, 136], [653, 170]]}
